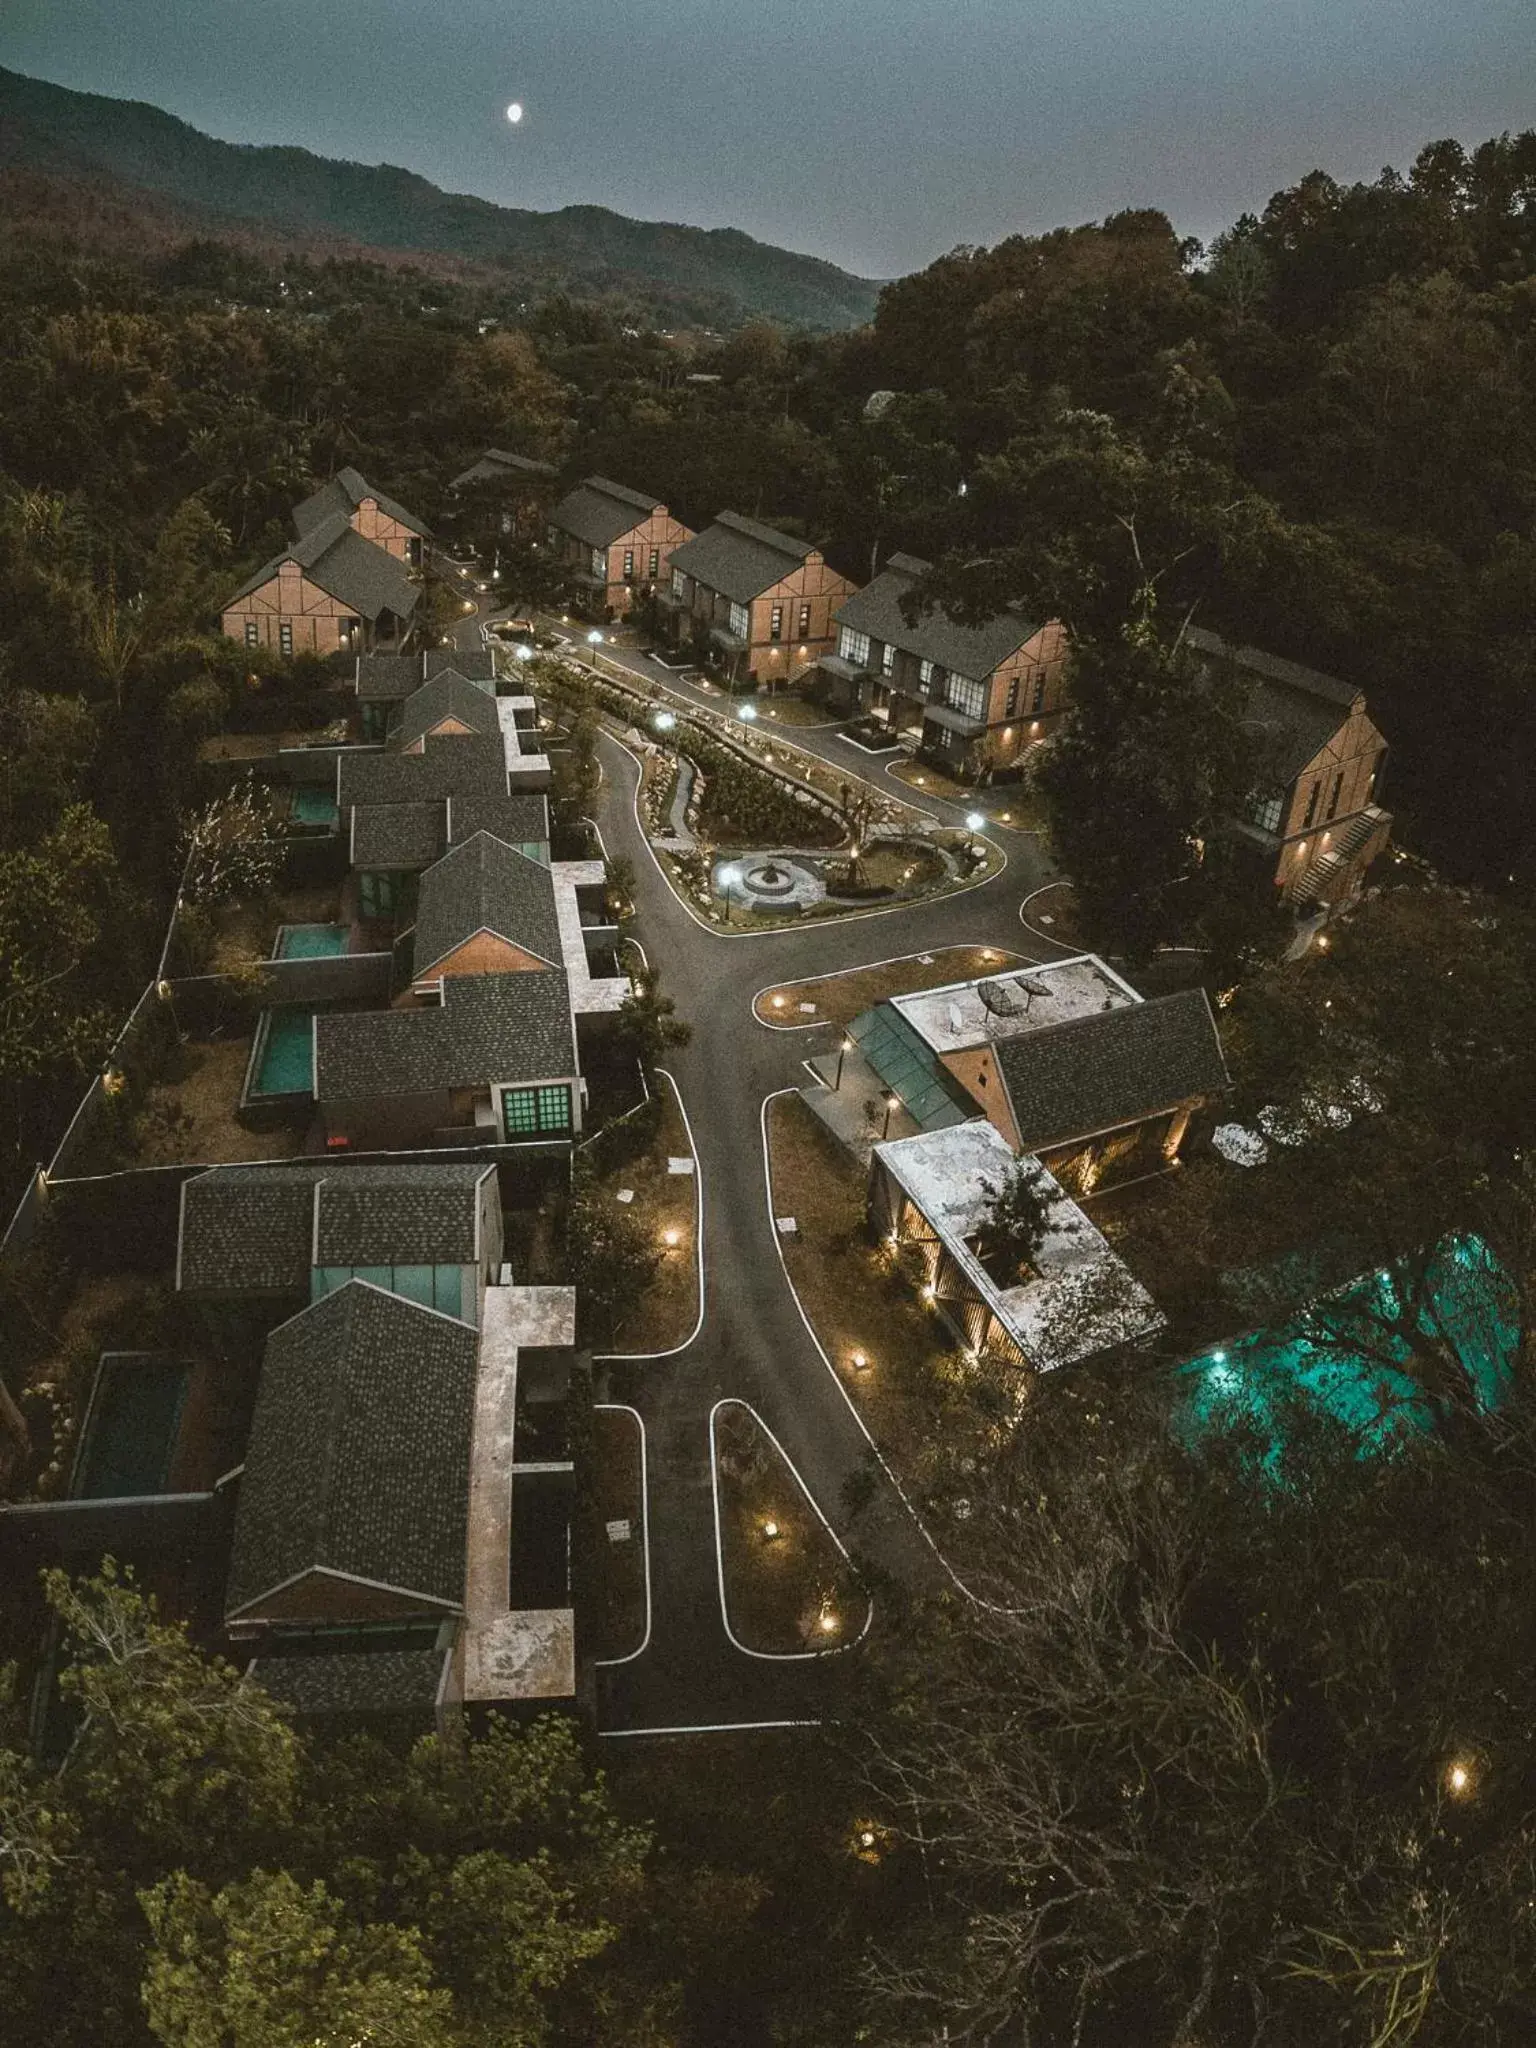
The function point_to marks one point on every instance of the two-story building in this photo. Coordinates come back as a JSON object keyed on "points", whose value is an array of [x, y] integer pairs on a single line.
{"points": [[1314, 816], [349, 495], [612, 544], [760, 601], [329, 592], [977, 697]]}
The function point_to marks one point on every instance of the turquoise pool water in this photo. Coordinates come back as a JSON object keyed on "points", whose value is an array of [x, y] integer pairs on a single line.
{"points": [[287, 1062], [130, 1434], [312, 805], [310, 941], [1351, 1355]]}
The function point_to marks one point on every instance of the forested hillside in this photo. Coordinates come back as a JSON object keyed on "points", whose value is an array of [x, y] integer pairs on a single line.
{"points": [[1320, 436], [663, 270]]}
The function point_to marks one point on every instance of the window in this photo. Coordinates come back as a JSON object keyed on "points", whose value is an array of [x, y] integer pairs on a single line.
{"points": [[1037, 702], [629, 565], [1337, 792], [805, 622], [1312, 796], [285, 637], [252, 633], [679, 583], [1265, 807], [887, 659], [552, 535], [1013, 697], [599, 565], [741, 621], [925, 672], [776, 623], [535, 1112], [655, 569], [439, 1287], [853, 646], [966, 696]]}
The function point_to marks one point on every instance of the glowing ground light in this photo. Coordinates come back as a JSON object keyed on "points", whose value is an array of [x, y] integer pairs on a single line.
{"points": [[515, 112], [860, 1361], [770, 1532], [1460, 1779], [671, 1239], [778, 1002], [664, 721], [826, 1621]]}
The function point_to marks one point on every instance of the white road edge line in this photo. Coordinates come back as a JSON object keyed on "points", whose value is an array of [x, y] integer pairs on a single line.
{"points": [[623, 1408], [705, 1728], [900, 1491], [774, 1656], [640, 1357], [1044, 889]]}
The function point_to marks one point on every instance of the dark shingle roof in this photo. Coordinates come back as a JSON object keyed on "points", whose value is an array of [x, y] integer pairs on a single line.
{"points": [[475, 664], [521, 819], [488, 1027], [398, 1215], [973, 651], [252, 1229], [1292, 711], [496, 464], [453, 765], [355, 1681], [354, 571], [387, 678], [445, 695], [344, 492], [397, 835], [1093, 1074], [358, 1459], [598, 511], [483, 884], [739, 557], [246, 1230]]}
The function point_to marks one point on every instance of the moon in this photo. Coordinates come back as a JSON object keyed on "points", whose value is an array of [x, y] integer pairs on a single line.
{"points": [[515, 112]]}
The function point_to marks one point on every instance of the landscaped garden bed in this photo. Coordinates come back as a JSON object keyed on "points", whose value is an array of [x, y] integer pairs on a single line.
{"points": [[839, 998], [632, 1159], [788, 1588], [617, 1483]]}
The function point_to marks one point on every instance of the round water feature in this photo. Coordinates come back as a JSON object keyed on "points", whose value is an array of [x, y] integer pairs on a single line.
{"points": [[768, 882]]}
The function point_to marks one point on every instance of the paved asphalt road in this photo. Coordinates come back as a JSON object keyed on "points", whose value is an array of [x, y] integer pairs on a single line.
{"points": [[752, 1342]]}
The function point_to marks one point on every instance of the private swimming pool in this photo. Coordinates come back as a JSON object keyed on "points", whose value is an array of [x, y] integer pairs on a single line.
{"points": [[309, 941], [1350, 1356], [131, 1428], [284, 1059], [313, 806]]}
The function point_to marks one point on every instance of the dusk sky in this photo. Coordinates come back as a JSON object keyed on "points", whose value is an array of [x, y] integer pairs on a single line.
{"points": [[877, 135]]}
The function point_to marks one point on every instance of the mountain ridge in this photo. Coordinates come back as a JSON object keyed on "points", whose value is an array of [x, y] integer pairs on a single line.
{"points": [[588, 251]]}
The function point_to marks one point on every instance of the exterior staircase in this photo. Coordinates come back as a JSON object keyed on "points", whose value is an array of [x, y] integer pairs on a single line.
{"points": [[1320, 883]]}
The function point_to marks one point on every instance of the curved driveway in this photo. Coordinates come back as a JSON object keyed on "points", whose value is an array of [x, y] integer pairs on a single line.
{"points": [[752, 1343]]}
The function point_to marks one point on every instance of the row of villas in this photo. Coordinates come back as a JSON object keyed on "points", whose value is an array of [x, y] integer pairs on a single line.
{"points": [[767, 609]]}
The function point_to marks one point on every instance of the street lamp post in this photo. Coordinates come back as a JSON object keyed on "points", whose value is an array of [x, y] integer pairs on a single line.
{"points": [[727, 876], [974, 822], [843, 1050], [890, 1104]]}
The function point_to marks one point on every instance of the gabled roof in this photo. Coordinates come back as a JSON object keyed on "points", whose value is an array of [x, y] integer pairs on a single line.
{"points": [[445, 695], [386, 678], [1094, 1074], [740, 558], [246, 1230], [599, 512], [355, 1680], [973, 651], [475, 664], [356, 572], [401, 836], [484, 885], [521, 819], [358, 1458], [253, 1229], [343, 494], [1293, 711], [488, 1028], [454, 764], [496, 464], [399, 1215]]}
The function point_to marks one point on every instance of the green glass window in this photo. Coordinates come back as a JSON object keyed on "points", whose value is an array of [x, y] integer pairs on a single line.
{"points": [[415, 1283], [449, 1290], [378, 893], [535, 1112], [373, 721]]}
